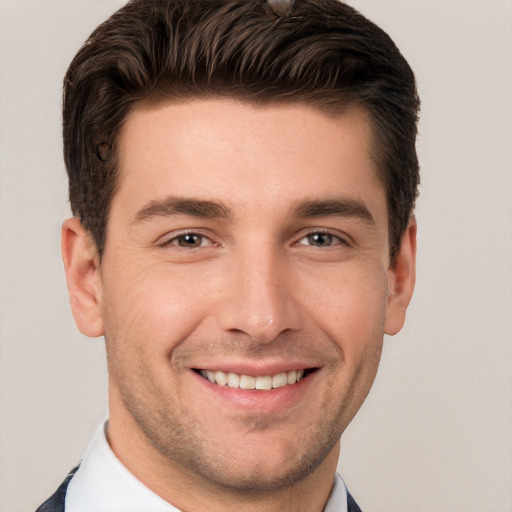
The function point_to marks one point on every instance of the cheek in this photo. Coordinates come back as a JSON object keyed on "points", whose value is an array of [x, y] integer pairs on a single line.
{"points": [[351, 308], [155, 308]]}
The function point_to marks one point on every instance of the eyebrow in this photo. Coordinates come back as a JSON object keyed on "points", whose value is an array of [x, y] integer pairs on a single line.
{"points": [[183, 206], [334, 207], [329, 207]]}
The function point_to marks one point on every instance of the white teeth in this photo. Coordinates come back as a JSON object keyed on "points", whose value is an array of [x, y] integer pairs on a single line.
{"points": [[262, 382], [247, 382], [221, 378], [291, 377], [233, 380], [279, 380]]}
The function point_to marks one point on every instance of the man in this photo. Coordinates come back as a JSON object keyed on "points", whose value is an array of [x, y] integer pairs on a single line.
{"points": [[242, 177]]}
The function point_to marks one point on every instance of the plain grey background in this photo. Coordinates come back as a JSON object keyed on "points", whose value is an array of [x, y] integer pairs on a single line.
{"points": [[436, 431]]}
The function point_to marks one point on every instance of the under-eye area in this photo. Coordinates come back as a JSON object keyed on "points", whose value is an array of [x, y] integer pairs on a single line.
{"points": [[260, 382]]}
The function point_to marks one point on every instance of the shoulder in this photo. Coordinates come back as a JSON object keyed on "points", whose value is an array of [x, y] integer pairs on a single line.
{"points": [[56, 502]]}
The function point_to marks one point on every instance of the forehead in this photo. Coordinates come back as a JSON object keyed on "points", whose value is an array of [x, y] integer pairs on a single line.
{"points": [[244, 154]]}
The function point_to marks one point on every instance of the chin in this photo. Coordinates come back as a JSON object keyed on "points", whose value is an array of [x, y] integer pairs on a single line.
{"points": [[273, 465]]}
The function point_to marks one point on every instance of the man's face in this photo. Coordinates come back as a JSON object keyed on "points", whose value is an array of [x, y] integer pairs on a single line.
{"points": [[247, 245]]}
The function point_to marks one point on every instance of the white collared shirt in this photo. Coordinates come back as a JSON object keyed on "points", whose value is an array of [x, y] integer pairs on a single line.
{"points": [[103, 484]]}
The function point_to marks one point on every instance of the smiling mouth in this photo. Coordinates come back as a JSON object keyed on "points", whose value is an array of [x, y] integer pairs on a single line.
{"points": [[250, 382]]}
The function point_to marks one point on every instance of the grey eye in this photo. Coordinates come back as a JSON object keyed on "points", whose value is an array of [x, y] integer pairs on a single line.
{"points": [[320, 239]]}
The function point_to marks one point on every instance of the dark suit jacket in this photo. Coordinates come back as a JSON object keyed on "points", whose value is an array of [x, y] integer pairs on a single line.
{"points": [[56, 502]]}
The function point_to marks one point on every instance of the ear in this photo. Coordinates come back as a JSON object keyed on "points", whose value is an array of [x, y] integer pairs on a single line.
{"points": [[401, 278], [81, 263]]}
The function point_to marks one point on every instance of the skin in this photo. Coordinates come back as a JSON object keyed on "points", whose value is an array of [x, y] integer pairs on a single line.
{"points": [[278, 259]]}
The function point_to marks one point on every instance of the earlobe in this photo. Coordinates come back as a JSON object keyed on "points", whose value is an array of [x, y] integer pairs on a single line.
{"points": [[402, 278], [81, 264]]}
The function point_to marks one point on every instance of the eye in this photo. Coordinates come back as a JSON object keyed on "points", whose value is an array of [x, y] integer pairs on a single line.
{"points": [[188, 241], [322, 239]]}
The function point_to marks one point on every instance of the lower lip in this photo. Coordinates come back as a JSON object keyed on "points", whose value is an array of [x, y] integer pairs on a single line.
{"points": [[272, 400]]}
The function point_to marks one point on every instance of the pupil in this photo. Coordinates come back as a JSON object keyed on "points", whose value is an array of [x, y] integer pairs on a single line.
{"points": [[320, 239], [189, 240]]}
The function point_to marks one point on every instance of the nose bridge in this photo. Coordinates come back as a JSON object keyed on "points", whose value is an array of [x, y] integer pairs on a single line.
{"points": [[260, 301]]}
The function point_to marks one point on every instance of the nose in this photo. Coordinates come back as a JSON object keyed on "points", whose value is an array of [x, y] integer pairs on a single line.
{"points": [[259, 296]]}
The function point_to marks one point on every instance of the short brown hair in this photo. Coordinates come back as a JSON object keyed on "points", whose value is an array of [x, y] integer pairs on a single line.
{"points": [[323, 53]]}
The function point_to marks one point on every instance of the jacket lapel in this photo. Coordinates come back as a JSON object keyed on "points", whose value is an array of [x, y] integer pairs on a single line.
{"points": [[57, 501], [352, 506]]}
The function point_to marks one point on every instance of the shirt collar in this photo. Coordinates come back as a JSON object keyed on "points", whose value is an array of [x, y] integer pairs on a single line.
{"points": [[103, 483]]}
